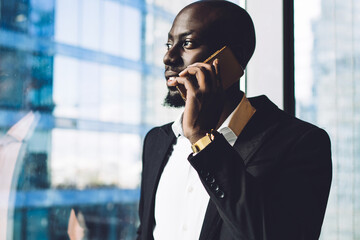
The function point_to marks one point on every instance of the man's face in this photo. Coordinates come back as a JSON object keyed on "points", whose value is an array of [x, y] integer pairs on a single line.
{"points": [[190, 40]]}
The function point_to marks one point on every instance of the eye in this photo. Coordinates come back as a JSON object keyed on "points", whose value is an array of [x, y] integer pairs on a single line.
{"points": [[188, 44], [168, 46]]}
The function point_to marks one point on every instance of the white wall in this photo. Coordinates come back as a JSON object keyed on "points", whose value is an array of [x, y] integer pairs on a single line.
{"points": [[265, 69]]}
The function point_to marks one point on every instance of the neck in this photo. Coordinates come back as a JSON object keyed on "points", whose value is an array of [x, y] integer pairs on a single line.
{"points": [[233, 97]]}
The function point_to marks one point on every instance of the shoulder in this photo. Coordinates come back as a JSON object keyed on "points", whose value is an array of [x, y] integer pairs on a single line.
{"points": [[288, 127], [157, 136], [302, 129], [159, 130]]}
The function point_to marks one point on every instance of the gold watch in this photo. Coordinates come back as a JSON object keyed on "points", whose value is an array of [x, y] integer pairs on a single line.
{"points": [[203, 142]]}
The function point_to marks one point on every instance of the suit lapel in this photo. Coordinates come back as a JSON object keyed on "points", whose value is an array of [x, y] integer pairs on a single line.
{"points": [[259, 128], [162, 146]]}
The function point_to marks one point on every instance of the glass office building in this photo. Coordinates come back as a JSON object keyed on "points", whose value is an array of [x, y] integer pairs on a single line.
{"points": [[81, 83]]}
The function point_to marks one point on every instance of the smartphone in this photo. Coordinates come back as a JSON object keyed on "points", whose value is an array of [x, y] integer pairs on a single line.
{"points": [[229, 67]]}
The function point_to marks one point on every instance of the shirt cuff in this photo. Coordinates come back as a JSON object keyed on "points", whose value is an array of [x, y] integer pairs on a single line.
{"points": [[229, 135]]}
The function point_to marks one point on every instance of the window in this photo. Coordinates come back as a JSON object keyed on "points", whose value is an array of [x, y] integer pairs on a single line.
{"points": [[327, 85], [81, 82]]}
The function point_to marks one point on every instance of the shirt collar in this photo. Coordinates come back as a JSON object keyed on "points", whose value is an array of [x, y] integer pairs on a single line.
{"points": [[241, 116], [233, 124], [177, 126], [237, 120]]}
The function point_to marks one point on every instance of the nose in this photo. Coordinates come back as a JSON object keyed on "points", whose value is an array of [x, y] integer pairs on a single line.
{"points": [[172, 56]]}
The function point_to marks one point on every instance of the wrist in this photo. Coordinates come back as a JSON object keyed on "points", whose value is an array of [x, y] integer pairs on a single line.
{"points": [[196, 137], [203, 142]]}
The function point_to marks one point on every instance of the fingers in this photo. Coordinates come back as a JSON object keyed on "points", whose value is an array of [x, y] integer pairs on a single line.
{"points": [[215, 65], [198, 76], [197, 79], [206, 75], [175, 81]]}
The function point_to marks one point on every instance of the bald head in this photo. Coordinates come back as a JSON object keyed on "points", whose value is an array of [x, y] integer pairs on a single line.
{"points": [[226, 23]]}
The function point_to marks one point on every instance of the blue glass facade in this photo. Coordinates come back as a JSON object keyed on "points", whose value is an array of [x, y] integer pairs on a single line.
{"points": [[81, 82]]}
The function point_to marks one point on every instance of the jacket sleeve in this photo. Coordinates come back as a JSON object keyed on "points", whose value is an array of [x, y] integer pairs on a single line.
{"points": [[281, 194]]}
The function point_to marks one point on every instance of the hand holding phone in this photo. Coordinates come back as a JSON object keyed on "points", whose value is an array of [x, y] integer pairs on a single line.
{"points": [[230, 69]]}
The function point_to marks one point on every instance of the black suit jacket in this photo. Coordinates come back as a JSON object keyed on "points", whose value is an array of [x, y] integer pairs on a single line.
{"points": [[272, 184]]}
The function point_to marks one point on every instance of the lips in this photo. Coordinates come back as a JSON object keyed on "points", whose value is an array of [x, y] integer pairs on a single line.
{"points": [[169, 74]]}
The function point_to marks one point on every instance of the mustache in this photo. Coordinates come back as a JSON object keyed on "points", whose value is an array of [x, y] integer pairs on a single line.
{"points": [[173, 69]]}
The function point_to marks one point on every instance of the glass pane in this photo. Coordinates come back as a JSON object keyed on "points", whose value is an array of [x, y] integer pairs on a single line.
{"points": [[91, 24], [66, 21], [327, 79], [81, 83]]}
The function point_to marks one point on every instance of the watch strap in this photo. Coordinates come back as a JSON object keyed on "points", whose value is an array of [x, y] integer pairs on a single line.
{"points": [[203, 142]]}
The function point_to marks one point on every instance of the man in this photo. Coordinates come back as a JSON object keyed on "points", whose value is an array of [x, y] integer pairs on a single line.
{"points": [[255, 173]]}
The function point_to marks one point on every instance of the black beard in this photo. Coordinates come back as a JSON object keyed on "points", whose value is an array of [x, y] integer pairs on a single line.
{"points": [[173, 99]]}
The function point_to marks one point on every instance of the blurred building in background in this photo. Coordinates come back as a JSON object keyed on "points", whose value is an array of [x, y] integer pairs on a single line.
{"points": [[91, 71], [333, 103]]}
